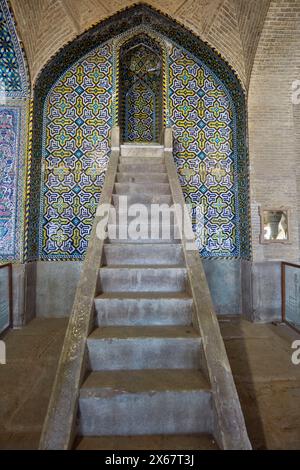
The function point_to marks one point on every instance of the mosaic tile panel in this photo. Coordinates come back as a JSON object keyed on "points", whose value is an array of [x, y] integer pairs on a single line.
{"points": [[13, 76], [10, 182], [202, 118], [76, 148], [14, 93], [141, 89], [143, 16], [140, 114]]}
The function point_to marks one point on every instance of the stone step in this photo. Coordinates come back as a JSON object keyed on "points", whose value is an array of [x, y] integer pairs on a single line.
{"points": [[144, 347], [143, 232], [142, 241], [140, 159], [141, 177], [156, 214], [152, 442], [145, 402], [142, 309], [143, 150], [143, 254], [143, 188], [143, 279], [141, 198], [141, 168]]}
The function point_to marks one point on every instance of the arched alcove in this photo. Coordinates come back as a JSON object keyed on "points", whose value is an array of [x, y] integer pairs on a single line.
{"points": [[140, 88], [202, 100]]}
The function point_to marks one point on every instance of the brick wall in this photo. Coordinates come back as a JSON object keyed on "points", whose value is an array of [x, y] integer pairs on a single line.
{"points": [[272, 123], [296, 109]]}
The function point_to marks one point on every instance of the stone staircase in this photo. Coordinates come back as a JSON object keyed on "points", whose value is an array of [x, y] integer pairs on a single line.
{"points": [[145, 387], [134, 371]]}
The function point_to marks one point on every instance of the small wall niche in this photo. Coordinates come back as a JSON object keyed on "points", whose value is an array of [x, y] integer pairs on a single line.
{"points": [[274, 225]]}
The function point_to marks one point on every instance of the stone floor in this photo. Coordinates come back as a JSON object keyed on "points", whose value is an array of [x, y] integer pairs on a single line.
{"points": [[26, 380], [260, 356], [267, 381]]}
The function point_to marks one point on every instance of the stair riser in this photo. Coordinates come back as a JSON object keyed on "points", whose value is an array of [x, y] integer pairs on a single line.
{"points": [[142, 168], [142, 160], [158, 241], [143, 280], [142, 255], [146, 413], [146, 188], [142, 198], [200, 441], [143, 231], [141, 177], [124, 216], [143, 312], [139, 151], [144, 353]]}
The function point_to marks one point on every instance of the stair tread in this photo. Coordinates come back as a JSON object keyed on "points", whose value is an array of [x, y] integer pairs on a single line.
{"points": [[138, 193], [144, 295], [147, 331], [146, 188], [173, 226], [152, 442], [139, 246], [145, 183], [138, 174], [145, 157], [145, 266], [134, 162], [157, 241], [144, 380], [141, 159], [141, 144], [123, 168]]}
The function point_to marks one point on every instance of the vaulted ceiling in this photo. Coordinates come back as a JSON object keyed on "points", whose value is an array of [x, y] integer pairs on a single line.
{"points": [[232, 27]]}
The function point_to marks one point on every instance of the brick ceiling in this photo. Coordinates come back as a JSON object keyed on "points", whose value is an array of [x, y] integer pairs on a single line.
{"points": [[232, 27]]}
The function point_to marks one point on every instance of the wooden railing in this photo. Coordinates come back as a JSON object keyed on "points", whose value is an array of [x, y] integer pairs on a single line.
{"points": [[59, 426], [229, 424], [290, 300], [8, 292]]}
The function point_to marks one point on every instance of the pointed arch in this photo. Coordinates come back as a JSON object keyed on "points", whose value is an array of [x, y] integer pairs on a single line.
{"points": [[141, 94], [217, 153]]}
